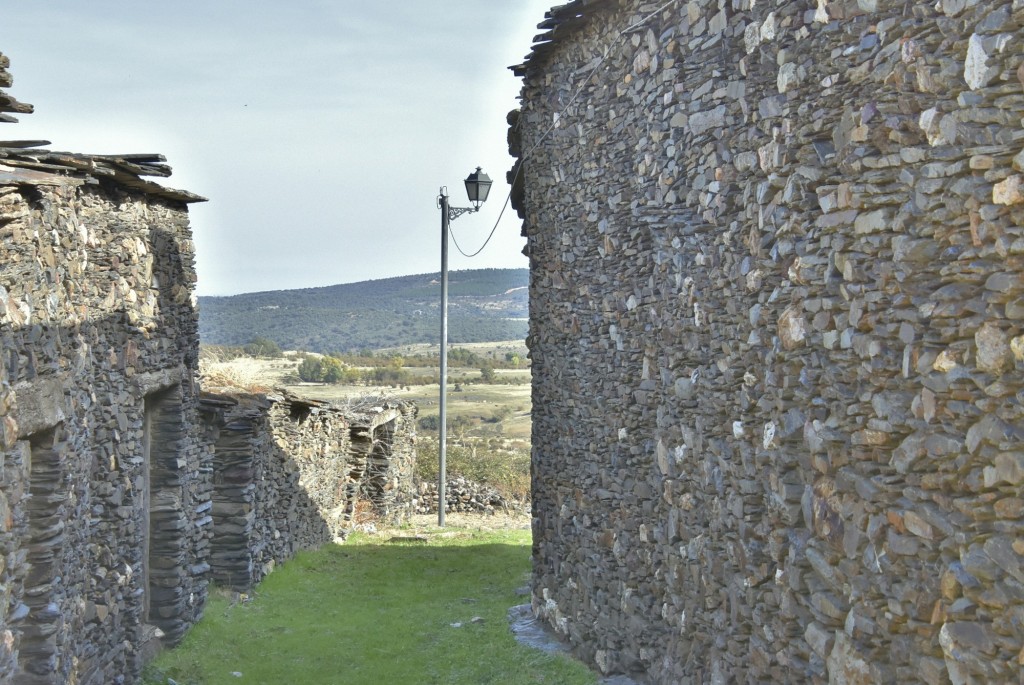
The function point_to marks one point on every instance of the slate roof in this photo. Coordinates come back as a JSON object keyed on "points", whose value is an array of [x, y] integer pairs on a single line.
{"points": [[560, 21], [7, 103], [25, 162]]}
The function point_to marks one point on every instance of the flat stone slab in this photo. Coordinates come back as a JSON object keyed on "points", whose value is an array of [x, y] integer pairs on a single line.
{"points": [[533, 633]]}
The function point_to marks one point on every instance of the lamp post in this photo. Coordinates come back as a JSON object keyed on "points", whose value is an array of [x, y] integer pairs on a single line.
{"points": [[478, 185]]}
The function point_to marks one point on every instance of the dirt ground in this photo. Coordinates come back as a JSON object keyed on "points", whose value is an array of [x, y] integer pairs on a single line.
{"points": [[472, 521], [424, 526]]}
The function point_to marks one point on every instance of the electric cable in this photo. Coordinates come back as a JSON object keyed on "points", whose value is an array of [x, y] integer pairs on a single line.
{"points": [[526, 155]]}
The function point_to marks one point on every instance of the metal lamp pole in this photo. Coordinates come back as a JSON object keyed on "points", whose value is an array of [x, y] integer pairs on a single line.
{"points": [[478, 185]]}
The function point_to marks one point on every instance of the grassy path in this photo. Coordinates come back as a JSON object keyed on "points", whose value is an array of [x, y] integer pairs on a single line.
{"points": [[373, 612]]}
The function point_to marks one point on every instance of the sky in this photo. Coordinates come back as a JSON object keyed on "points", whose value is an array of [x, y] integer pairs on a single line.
{"points": [[320, 130]]}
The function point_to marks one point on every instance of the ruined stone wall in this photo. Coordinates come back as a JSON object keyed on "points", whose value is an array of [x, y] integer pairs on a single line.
{"points": [[776, 316], [289, 474], [384, 456], [105, 488]]}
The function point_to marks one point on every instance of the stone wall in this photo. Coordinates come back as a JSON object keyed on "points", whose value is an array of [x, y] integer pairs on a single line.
{"points": [[776, 317], [290, 472], [118, 487], [105, 487], [467, 497]]}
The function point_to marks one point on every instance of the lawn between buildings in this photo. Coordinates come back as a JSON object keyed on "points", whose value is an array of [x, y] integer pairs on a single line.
{"points": [[372, 611]]}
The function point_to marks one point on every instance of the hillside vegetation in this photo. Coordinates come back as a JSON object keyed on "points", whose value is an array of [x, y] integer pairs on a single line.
{"points": [[483, 305]]}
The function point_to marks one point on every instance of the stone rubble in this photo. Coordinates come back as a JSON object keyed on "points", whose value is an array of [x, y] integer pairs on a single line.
{"points": [[465, 496]]}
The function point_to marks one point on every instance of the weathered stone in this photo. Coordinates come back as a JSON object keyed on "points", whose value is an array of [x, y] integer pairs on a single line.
{"points": [[702, 121], [789, 77], [870, 222], [1009, 191], [1009, 468], [994, 354], [918, 526], [961, 642], [792, 329], [976, 70], [1017, 347], [820, 639], [847, 666]]}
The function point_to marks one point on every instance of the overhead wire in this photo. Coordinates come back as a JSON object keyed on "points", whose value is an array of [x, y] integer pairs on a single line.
{"points": [[554, 124]]}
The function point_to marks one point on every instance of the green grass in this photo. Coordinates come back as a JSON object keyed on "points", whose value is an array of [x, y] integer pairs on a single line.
{"points": [[371, 612]]}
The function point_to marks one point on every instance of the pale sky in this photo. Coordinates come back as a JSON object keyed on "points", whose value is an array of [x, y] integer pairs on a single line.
{"points": [[320, 130]]}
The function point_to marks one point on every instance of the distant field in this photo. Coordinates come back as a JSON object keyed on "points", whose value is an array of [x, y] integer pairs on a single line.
{"points": [[475, 410]]}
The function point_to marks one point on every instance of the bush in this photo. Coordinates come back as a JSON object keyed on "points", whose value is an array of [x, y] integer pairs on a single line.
{"points": [[500, 414], [506, 470], [263, 347], [325, 370], [487, 374], [311, 370]]}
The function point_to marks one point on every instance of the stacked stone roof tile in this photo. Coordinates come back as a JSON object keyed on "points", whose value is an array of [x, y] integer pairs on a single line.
{"points": [[7, 103], [25, 162]]}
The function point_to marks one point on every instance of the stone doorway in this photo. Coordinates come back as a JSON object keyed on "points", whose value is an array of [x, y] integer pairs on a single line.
{"points": [[165, 529], [41, 621]]}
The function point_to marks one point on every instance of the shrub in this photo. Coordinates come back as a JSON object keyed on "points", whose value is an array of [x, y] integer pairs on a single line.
{"points": [[487, 374], [311, 370], [506, 470], [262, 347]]}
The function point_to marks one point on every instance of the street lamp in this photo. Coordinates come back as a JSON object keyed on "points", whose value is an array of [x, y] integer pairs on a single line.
{"points": [[478, 185]]}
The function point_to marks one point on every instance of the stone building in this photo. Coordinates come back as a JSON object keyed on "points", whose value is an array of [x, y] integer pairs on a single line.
{"points": [[776, 328], [105, 483], [123, 492]]}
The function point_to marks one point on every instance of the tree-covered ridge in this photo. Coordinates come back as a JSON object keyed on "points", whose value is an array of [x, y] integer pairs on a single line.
{"points": [[483, 305]]}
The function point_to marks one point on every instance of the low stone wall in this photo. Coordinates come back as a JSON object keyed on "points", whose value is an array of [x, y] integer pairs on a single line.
{"points": [[289, 473], [777, 333], [466, 496]]}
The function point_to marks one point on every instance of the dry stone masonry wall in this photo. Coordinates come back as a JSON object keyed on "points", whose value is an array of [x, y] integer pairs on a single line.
{"points": [[776, 327], [290, 473], [121, 492], [466, 496], [104, 497]]}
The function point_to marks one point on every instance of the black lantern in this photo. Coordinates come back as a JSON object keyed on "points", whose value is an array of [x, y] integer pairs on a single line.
{"points": [[478, 185]]}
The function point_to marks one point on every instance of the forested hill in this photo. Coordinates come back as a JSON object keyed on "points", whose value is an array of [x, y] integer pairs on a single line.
{"points": [[484, 305]]}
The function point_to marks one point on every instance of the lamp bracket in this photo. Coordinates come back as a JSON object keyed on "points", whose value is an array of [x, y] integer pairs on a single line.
{"points": [[455, 212]]}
